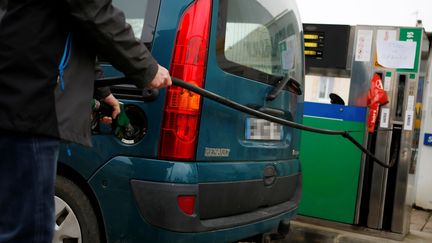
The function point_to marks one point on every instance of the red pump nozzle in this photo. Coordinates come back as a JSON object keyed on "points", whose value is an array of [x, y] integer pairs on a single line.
{"points": [[376, 97]]}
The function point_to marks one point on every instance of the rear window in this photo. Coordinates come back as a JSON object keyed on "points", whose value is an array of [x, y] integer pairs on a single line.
{"points": [[260, 39]]}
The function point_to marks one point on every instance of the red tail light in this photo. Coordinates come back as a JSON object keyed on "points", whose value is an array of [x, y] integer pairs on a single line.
{"points": [[186, 204], [183, 108]]}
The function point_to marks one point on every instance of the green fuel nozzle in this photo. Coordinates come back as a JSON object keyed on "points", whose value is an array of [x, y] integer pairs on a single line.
{"points": [[123, 129]]}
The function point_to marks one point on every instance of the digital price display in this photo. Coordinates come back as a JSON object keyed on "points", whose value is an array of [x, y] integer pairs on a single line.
{"points": [[326, 46], [313, 43], [311, 36]]}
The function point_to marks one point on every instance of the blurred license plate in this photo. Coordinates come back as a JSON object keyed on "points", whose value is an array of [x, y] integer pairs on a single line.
{"points": [[260, 129]]}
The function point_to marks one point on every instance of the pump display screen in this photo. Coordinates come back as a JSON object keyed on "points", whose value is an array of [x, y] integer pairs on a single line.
{"points": [[326, 46]]}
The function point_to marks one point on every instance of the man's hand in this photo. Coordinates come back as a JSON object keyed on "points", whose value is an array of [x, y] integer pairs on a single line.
{"points": [[161, 80], [114, 103]]}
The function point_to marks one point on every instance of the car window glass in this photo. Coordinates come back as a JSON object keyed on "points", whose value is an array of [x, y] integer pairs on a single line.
{"points": [[258, 39], [135, 11]]}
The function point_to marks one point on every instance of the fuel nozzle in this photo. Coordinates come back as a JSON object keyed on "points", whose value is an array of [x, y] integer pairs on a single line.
{"points": [[122, 127]]}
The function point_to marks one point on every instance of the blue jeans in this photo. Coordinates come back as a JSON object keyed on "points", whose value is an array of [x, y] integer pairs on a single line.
{"points": [[27, 177]]}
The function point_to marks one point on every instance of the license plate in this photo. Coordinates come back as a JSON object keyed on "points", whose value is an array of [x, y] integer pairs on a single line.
{"points": [[260, 129]]}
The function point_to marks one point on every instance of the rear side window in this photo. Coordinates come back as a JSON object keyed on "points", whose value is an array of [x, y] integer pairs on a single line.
{"points": [[260, 39], [142, 16]]}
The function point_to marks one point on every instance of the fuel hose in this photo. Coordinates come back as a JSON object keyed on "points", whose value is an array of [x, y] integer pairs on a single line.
{"points": [[234, 105]]}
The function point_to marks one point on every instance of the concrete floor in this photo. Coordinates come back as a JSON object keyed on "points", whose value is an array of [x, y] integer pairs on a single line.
{"points": [[303, 231]]}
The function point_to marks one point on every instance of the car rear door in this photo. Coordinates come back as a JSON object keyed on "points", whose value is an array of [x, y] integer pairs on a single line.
{"points": [[246, 164], [254, 44]]}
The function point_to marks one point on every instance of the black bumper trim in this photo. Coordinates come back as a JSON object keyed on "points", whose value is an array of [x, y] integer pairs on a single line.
{"points": [[157, 203]]}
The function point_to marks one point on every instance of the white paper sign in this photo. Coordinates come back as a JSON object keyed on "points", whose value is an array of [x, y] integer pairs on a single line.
{"points": [[409, 116], [364, 45], [289, 53], [396, 54], [384, 120]]}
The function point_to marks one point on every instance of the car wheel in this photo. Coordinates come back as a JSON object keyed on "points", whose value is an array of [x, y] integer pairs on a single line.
{"points": [[75, 219]]}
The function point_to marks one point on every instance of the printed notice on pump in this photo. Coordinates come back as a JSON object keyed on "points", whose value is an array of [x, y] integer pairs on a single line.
{"points": [[396, 54], [385, 116], [364, 45]]}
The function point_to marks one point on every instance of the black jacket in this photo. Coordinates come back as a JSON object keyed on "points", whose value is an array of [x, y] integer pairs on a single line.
{"points": [[37, 96]]}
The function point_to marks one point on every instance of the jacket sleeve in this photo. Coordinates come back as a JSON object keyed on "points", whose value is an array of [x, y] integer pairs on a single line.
{"points": [[101, 92], [114, 38]]}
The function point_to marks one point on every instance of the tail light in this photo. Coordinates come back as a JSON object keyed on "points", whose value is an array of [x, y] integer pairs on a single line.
{"points": [[186, 204], [182, 108]]}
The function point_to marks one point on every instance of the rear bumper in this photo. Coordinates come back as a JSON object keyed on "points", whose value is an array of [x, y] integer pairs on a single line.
{"points": [[157, 203], [123, 203]]}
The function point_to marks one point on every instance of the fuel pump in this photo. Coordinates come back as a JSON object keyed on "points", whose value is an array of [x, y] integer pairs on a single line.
{"points": [[380, 67], [394, 56]]}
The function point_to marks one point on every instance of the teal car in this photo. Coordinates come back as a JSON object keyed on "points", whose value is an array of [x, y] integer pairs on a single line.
{"points": [[195, 170]]}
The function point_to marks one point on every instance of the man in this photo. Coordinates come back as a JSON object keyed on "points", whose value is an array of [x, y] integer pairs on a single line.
{"points": [[47, 53]]}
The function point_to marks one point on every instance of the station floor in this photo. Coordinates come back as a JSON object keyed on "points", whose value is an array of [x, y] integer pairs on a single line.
{"points": [[304, 231]]}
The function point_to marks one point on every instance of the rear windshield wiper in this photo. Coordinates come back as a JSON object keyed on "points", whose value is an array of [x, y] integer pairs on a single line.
{"points": [[292, 85]]}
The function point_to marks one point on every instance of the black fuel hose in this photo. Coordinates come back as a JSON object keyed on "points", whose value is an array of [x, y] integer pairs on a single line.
{"points": [[256, 113], [253, 112]]}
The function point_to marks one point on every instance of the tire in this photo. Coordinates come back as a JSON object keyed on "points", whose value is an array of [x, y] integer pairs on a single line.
{"points": [[75, 219]]}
